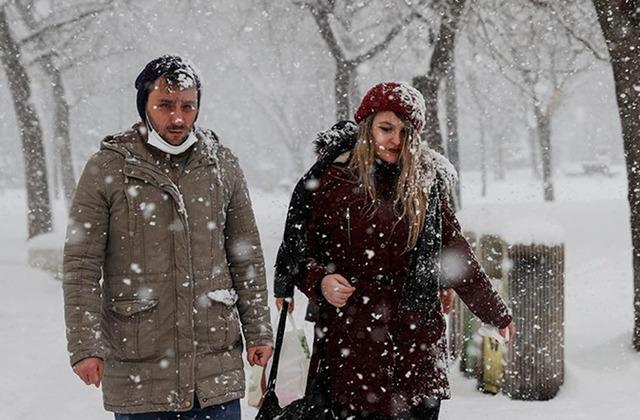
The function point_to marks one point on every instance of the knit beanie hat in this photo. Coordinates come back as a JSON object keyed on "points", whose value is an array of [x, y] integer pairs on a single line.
{"points": [[406, 101], [175, 69]]}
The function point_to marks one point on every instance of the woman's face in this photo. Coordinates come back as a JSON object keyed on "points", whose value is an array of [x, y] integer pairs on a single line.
{"points": [[389, 134]]}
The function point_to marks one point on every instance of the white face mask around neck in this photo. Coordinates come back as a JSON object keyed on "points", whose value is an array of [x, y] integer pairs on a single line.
{"points": [[155, 140]]}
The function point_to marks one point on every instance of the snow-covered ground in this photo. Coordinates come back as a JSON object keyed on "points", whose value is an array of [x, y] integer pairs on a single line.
{"points": [[590, 216]]}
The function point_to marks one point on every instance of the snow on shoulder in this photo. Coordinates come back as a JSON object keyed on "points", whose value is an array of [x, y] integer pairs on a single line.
{"points": [[437, 163], [209, 141], [343, 132], [228, 297], [212, 148]]}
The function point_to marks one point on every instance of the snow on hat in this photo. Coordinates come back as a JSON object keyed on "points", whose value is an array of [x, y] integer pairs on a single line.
{"points": [[174, 68], [400, 98]]}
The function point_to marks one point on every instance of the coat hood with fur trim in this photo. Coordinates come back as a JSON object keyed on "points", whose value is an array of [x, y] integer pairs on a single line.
{"points": [[343, 136]]}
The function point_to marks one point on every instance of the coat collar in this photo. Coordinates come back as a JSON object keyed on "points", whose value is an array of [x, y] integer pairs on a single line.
{"points": [[131, 144]]}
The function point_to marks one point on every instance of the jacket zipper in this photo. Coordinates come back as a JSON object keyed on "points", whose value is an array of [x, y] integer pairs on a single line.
{"points": [[173, 190], [193, 291], [394, 349], [348, 226], [175, 312]]}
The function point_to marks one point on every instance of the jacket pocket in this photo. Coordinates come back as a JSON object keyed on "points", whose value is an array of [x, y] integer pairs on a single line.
{"points": [[222, 320], [126, 385], [131, 329]]}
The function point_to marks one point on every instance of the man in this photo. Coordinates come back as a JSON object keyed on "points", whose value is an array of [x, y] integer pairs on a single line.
{"points": [[163, 215]]}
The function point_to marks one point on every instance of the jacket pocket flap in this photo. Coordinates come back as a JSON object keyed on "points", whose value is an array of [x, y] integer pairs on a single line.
{"points": [[131, 307]]}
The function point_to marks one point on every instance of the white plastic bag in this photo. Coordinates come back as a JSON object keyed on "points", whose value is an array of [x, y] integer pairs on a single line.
{"points": [[292, 371]]}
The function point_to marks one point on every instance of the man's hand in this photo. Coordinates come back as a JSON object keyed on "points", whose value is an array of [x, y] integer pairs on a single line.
{"points": [[90, 370], [336, 289], [279, 302], [259, 355]]}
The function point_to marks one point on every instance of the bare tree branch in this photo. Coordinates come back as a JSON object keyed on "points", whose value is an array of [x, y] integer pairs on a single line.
{"points": [[571, 29], [47, 31], [321, 16], [377, 49]]}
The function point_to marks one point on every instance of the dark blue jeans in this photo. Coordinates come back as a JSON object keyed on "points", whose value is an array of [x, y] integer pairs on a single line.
{"points": [[226, 411]]}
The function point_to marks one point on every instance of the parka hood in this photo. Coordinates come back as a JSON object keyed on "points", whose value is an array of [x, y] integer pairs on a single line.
{"points": [[342, 136], [127, 143]]}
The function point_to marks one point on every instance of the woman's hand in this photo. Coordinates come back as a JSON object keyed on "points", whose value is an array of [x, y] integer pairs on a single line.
{"points": [[336, 289], [508, 332], [280, 301], [446, 300]]}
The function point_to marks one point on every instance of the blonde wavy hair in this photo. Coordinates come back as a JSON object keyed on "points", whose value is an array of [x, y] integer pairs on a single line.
{"points": [[410, 197]]}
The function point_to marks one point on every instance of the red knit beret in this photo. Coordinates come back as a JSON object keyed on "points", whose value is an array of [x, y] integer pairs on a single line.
{"points": [[406, 101]]}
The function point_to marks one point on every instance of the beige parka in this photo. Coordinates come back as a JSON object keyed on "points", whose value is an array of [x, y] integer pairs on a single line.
{"points": [[176, 246]]}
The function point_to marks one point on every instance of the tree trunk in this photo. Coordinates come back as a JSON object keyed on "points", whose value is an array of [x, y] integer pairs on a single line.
{"points": [[62, 141], [453, 143], [38, 202], [498, 144], [439, 66], [543, 122], [620, 23], [432, 134], [480, 112], [345, 76], [61, 132], [54, 185], [483, 160], [345, 87], [533, 148]]}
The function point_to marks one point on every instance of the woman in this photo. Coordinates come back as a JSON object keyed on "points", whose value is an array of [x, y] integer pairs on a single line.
{"points": [[366, 231]]}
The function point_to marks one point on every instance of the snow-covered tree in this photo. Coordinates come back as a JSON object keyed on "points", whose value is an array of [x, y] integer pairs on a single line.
{"points": [[354, 33], [620, 23], [52, 37], [536, 47], [440, 64], [50, 66], [35, 164]]}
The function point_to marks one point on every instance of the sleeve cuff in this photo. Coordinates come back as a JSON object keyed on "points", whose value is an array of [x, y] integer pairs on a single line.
{"points": [[260, 342], [312, 282], [79, 356]]}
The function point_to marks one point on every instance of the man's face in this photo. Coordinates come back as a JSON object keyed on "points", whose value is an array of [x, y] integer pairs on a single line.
{"points": [[172, 111]]}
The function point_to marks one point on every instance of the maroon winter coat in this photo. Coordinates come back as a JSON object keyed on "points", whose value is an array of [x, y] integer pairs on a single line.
{"points": [[378, 361]]}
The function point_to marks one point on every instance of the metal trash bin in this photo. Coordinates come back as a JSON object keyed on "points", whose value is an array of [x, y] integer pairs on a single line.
{"points": [[531, 279], [535, 361]]}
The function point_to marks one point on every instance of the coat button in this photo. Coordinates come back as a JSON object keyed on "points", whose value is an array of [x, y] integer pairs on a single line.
{"points": [[187, 404]]}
